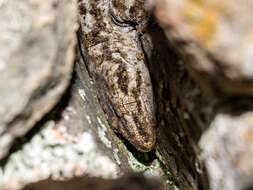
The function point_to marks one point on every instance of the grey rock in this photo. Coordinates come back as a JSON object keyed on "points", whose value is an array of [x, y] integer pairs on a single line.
{"points": [[37, 41], [78, 142], [227, 150]]}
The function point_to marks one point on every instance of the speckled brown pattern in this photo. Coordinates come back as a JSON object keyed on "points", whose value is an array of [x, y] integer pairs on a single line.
{"points": [[117, 65]]}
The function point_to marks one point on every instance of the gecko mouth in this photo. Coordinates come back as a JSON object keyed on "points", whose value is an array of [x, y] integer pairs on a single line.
{"points": [[144, 154], [146, 144]]}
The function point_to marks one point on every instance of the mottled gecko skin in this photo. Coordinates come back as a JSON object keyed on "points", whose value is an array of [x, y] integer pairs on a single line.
{"points": [[129, 12], [117, 65]]}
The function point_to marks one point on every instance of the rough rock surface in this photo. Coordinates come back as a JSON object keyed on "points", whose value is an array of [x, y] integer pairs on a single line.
{"points": [[37, 50], [216, 40], [74, 141], [183, 112], [228, 151]]}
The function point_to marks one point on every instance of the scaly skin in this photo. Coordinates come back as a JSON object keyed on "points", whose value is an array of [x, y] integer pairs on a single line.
{"points": [[117, 65]]}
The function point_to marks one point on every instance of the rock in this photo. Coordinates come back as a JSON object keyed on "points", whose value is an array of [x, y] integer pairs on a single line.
{"points": [[37, 50], [136, 182], [227, 150], [183, 112], [215, 39], [75, 140]]}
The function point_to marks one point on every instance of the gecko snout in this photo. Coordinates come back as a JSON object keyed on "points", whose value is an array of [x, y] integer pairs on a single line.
{"points": [[146, 143]]}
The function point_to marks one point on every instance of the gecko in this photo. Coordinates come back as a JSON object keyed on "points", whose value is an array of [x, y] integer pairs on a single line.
{"points": [[117, 65]]}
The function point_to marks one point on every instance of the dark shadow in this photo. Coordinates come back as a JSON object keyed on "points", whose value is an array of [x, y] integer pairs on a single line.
{"points": [[248, 188], [178, 135], [145, 158], [235, 105]]}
